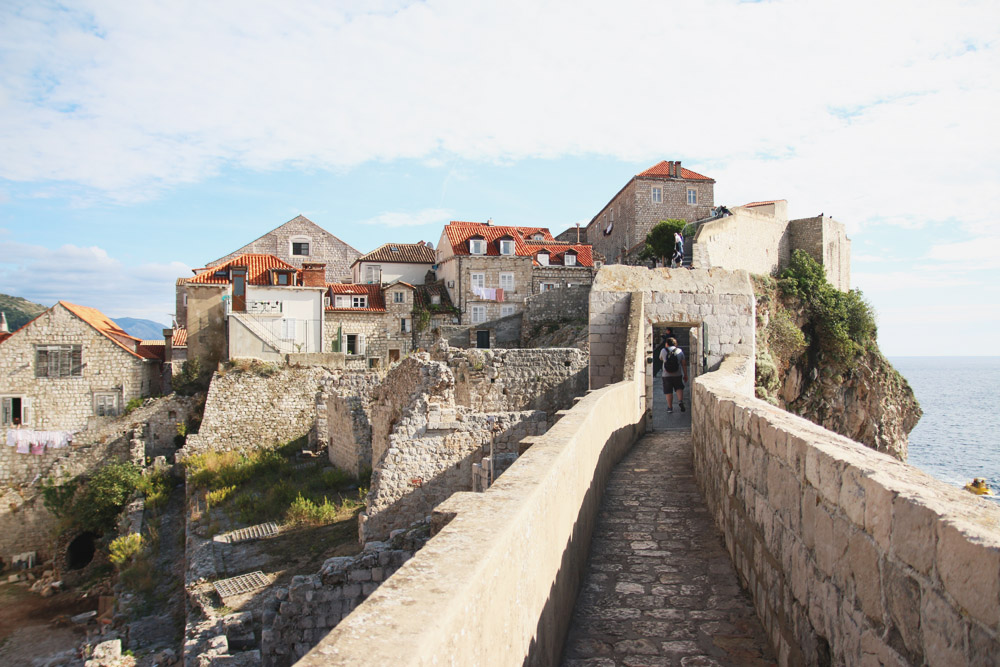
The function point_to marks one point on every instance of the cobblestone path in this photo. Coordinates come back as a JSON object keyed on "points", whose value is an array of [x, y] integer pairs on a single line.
{"points": [[660, 588]]}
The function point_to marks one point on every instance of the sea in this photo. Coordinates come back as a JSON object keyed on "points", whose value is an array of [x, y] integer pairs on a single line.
{"points": [[958, 437]]}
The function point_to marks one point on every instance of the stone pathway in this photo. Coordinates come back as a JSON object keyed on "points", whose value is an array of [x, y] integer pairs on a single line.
{"points": [[660, 588]]}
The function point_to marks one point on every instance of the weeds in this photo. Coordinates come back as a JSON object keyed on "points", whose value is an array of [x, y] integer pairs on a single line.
{"points": [[124, 549]]}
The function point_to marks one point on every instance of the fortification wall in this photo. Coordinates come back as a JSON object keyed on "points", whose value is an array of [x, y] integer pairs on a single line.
{"points": [[554, 307], [826, 241], [850, 555], [498, 580], [746, 240]]}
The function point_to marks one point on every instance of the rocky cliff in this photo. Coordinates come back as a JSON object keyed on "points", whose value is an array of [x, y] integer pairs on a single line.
{"points": [[859, 395]]}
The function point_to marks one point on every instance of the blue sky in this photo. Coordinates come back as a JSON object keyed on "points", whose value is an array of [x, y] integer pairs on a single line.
{"points": [[139, 140]]}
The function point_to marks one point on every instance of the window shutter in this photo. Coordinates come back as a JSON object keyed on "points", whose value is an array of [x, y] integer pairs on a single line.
{"points": [[361, 343], [77, 361], [26, 411], [41, 363]]}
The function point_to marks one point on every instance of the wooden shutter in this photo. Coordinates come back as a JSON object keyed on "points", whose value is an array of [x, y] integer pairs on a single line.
{"points": [[76, 361], [41, 362], [361, 343]]}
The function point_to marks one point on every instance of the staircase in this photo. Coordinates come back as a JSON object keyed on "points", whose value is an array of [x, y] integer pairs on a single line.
{"points": [[258, 326]]}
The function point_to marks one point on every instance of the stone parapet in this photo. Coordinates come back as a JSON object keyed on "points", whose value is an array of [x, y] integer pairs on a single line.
{"points": [[851, 556]]}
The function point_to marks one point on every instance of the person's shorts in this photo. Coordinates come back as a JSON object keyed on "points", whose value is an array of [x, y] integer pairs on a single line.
{"points": [[672, 383]]}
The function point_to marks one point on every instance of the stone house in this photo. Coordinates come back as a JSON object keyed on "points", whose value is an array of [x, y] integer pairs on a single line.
{"points": [[298, 241], [665, 190], [489, 270], [255, 306], [392, 262], [69, 366]]}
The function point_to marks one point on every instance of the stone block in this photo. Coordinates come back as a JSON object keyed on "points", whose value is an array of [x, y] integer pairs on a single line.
{"points": [[903, 601], [852, 495], [969, 568], [943, 631], [878, 511], [913, 533], [863, 558]]}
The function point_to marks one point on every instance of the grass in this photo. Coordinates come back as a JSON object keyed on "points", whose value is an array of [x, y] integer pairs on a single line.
{"points": [[271, 485]]}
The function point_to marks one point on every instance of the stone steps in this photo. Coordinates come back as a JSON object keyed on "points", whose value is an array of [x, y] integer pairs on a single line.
{"points": [[260, 531]]}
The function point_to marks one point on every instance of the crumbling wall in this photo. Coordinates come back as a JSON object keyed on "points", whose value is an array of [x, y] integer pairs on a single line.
{"points": [[302, 614], [343, 424]]}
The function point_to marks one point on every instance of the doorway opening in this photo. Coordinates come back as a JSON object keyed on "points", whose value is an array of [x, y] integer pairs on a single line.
{"points": [[81, 551]]}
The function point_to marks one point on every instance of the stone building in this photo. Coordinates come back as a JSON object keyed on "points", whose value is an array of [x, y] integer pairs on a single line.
{"points": [[665, 190], [489, 270], [391, 262], [301, 240], [69, 366]]}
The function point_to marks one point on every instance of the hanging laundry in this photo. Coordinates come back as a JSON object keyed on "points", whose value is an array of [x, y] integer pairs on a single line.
{"points": [[38, 448]]}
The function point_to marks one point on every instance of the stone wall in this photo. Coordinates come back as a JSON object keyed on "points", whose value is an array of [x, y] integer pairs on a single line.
{"points": [[492, 267], [68, 403], [720, 304], [371, 325], [826, 241], [343, 425], [505, 332], [747, 239], [851, 556], [497, 583], [259, 406], [560, 276], [304, 612], [206, 324], [555, 307]]}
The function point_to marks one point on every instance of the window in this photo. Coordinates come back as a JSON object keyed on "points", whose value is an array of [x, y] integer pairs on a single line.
{"points": [[282, 278], [359, 301], [399, 297], [404, 325], [506, 310], [299, 246], [692, 196], [506, 246], [355, 344], [507, 282], [14, 410], [287, 329], [478, 314], [657, 195], [342, 301], [436, 299], [373, 274], [538, 236], [545, 287], [55, 361], [543, 258], [569, 259], [477, 246], [106, 404], [477, 280]]}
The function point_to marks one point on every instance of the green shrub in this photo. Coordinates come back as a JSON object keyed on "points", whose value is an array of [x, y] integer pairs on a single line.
{"points": [[133, 405], [304, 511], [124, 548], [156, 488], [660, 240], [93, 503], [191, 379], [784, 338]]}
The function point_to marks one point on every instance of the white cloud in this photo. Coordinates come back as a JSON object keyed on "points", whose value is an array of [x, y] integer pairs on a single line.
{"points": [[884, 119], [428, 216], [90, 277]]}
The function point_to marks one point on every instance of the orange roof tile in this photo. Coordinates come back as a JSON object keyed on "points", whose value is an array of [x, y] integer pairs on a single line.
{"points": [[557, 251], [415, 253], [376, 300], [663, 169], [258, 270], [180, 338], [762, 203], [459, 234], [106, 326]]}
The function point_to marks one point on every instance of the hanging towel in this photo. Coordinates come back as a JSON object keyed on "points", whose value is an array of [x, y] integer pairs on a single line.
{"points": [[38, 448]]}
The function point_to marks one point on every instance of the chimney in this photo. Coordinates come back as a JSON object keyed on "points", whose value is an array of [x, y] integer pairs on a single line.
{"points": [[168, 345], [677, 169], [3, 323], [489, 222], [313, 274], [578, 232]]}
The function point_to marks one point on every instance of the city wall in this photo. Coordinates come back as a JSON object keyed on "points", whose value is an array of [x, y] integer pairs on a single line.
{"points": [[851, 556], [497, 583]]}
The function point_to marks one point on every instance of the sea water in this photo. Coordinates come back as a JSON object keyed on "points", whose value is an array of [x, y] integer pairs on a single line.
{"points": [[958, 437]]}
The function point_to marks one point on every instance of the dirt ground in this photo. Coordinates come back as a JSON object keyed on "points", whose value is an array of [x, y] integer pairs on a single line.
{"points": [[33, 627]]}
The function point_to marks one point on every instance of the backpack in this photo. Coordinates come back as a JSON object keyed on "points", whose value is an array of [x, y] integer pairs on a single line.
{"points": [[671, 364]]}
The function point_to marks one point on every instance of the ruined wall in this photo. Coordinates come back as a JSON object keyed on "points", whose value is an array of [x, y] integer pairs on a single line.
{"points": [[343, 425], [260, 406], [747, 239], [505, 332], [852, 557], [506, 380], [554, 307], [563, 277], [206, 324]]}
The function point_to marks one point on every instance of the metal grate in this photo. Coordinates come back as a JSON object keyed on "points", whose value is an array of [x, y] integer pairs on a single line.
{"points": [[257, 532], [244, 583]]}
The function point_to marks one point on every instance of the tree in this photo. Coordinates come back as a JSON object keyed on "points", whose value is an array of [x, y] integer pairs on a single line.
{"points": [[660, 240]]}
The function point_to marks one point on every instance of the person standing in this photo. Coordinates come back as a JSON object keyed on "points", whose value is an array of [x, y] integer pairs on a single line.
{"points": [[674, 374], [677, 260]]}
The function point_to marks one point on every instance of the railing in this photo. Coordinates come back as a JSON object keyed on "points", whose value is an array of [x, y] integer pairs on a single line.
{"points": [[265, 307], [285, 336]]}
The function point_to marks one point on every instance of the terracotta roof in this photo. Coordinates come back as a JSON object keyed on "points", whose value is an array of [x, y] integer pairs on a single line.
{"points": [[584, 254], [153, 349], [762, 203], [663, 169], [459, 234], [376, 300], [106, 326], [426, 291], [416, 253], [258, 270], [180, 338]]}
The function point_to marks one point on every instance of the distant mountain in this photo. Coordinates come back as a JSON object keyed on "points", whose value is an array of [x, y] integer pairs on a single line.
{"points": [[19, 311], [144, 329]]}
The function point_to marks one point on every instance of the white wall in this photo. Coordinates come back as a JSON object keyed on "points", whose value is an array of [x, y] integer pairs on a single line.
{"points": [[393, 271]]}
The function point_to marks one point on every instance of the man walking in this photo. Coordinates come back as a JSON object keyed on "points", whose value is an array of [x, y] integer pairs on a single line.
{"points": [[675, 374]]}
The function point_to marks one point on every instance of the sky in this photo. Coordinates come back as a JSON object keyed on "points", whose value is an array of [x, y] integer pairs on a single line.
{"points": [[139, 140]]}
